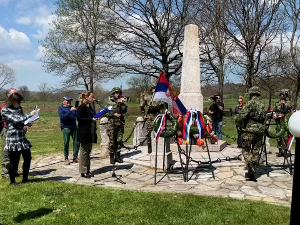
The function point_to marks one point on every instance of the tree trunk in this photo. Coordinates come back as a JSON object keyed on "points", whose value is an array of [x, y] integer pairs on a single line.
{"points": [[270, 100], [297, 91]]}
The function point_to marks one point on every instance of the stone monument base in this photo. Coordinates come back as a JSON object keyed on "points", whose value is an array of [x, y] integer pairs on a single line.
{"points": [[160, 153], [160, 160], [195, 148], [192, 100]]}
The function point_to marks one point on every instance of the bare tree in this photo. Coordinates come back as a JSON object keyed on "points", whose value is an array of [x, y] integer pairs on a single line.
{"points": [[76, 47], [7, 75], [44, 92], [24, 91], [292, 9], [150, 34], [252, 25], [215, 43]]}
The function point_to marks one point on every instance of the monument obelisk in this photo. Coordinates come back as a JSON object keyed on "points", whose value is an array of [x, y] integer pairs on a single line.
{"points": [[190, 91]]}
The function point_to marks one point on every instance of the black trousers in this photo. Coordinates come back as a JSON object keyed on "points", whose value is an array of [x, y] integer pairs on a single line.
{"points": [[14, 162]]}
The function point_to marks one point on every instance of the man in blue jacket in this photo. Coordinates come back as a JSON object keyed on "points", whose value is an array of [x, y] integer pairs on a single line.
{"points": [[67, 115]]}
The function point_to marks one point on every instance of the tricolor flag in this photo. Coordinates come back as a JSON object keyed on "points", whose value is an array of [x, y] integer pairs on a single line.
{"points": [[289, 143], [161, 125], [163, 90], [178, 107]]}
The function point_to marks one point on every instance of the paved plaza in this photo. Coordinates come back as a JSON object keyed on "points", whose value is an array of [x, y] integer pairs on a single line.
{"points": [[135, 172]]}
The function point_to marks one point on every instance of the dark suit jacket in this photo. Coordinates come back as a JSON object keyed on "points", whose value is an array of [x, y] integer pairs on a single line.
{"points": [[86, 131]]}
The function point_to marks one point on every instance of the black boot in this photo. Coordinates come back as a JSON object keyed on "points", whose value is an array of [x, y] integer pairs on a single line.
{"points": [[118, 158], [251, 172], [149, 148], [112, 158]]}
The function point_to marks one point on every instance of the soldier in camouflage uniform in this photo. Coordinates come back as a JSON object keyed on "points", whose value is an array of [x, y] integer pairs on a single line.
{"points": [[116, 124], [239, 108], [251, 122], [282, 109], [150, 110]]}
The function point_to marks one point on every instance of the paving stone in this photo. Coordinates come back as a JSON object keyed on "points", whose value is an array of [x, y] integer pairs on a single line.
{"points": [[229, 180], [232, 188], [135, 176], [237, 194], [288, 193], [138, 169], [274, 192], [212, 183], [190, 182], [233, 182], [224, 175], [269, 199], [225, 169], [238, 177], [253, 198], [251, 191], [206, 188]]}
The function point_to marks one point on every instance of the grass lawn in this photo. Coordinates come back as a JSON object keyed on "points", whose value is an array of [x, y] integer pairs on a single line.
{"points": [[62, 203]]}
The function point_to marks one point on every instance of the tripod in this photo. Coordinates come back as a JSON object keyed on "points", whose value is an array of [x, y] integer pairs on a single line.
{"points": [[118, 178]]}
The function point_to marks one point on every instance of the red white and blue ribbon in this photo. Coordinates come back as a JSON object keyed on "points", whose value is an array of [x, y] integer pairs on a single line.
{"points": [[290, 142], [161, 125], [201, 125], [187, 123]]}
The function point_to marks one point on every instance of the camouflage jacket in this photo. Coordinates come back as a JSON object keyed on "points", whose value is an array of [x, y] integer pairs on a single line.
{"points": [[252, 117], [238, 108], [148, 107], [120, 108]]}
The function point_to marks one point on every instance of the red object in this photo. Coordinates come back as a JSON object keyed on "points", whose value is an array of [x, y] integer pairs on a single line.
{"points": [[1, 107]]}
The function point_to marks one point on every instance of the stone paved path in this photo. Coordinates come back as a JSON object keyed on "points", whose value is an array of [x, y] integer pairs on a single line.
{"points": [[229, 176]]}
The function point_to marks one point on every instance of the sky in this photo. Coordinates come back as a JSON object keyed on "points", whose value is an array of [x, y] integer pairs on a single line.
{"points": [[23, 24]]}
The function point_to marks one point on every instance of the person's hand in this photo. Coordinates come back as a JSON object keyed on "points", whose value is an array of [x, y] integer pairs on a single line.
{"points": [[25, 129], [73, 108], [32, 113], [119, 100], [117, 115], [145, 117]]}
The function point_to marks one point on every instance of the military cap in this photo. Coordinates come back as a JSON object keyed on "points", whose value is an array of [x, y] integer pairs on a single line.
{"points": [[254, 90], [284, 92], [116, 89]]}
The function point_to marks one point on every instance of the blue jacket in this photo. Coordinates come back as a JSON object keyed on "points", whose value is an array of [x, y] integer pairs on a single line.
{"points": [[67, 117]]}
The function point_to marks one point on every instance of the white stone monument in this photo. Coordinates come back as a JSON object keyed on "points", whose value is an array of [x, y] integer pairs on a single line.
{"points": [[190, 92], [104, 152], [140, 132]]}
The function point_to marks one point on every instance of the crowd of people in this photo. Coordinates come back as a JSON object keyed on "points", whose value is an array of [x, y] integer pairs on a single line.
{"points": [[79, 123], [76, 122]]}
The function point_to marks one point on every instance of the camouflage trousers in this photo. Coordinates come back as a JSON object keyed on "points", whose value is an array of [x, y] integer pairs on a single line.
{"points": [[149, 124], [111, 132], [252, 144], [282, 141]]}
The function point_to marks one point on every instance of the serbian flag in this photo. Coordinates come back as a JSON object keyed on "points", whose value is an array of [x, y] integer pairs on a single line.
{"points": [[161, 125], [178, 107], [290, 142], [163, 90]]}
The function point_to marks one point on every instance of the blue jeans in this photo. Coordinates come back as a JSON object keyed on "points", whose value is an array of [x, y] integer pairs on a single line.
{"points": [[217, 127]]}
